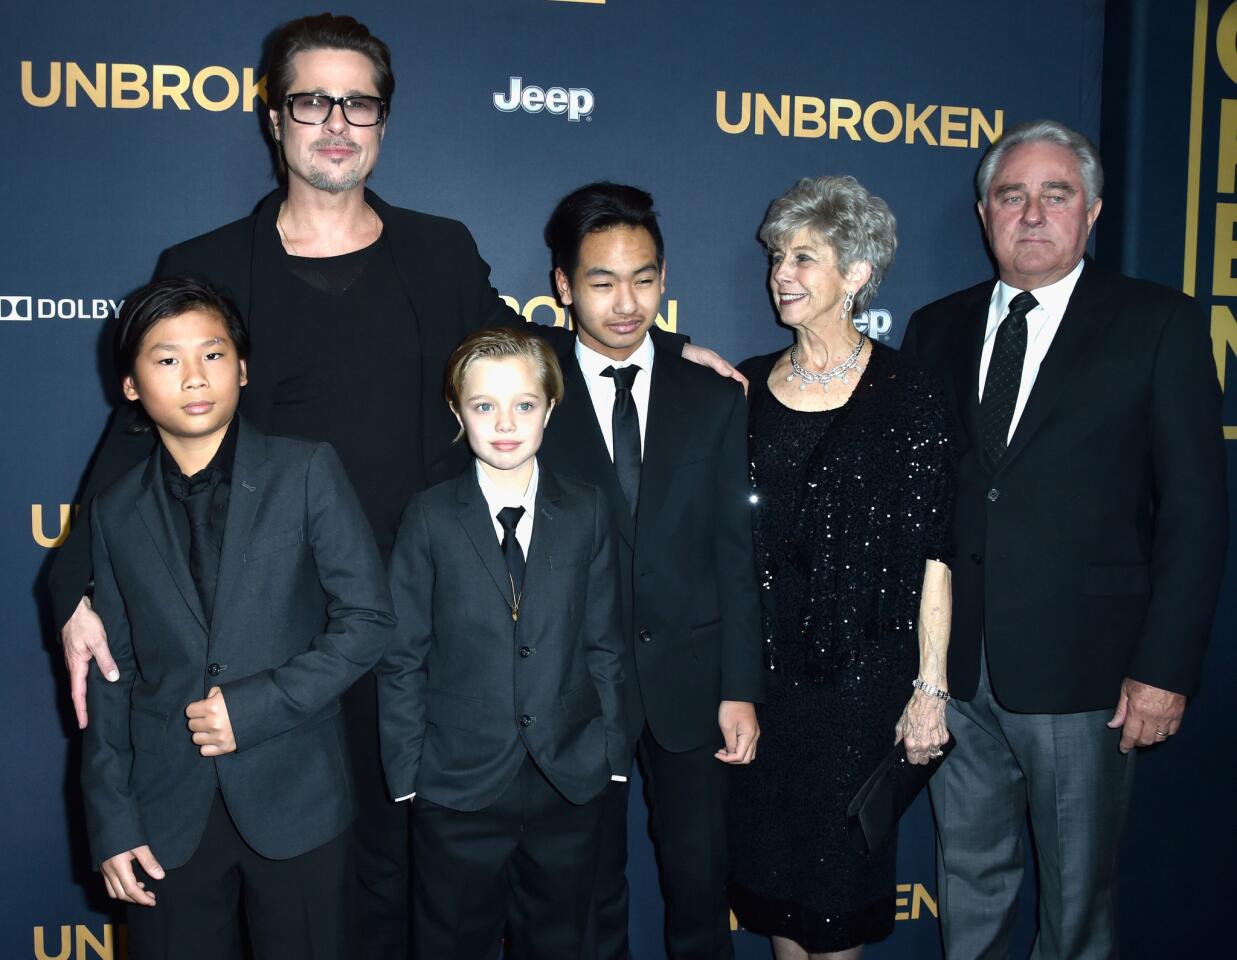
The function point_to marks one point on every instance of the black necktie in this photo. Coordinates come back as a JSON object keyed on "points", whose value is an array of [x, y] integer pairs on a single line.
{"points": [[996, 410], [625, 421], [509, 517], [197, 494]]}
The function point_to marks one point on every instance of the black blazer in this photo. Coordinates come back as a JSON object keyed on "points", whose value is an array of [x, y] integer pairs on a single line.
{"points": [[691, 616], [301, 611], [1095, 551], [464, 689]]}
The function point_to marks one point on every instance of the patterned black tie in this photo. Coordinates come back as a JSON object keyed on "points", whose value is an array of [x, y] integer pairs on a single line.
{"points": [[197, 494], [996, 410], [625, 421], [509, 518]]}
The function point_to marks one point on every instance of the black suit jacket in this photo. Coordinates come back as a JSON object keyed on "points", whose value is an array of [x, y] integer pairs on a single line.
{"points": [[1095, 550], [691, 615], [301, 611], [465, 690]]}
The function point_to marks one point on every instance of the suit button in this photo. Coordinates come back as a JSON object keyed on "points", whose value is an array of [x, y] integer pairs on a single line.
{"points": [[977, 559], [216, 668], [525, 651], [645, 635], [527, 721], [994, 494]]}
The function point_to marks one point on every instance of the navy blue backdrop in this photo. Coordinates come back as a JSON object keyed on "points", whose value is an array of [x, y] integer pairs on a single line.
{"points": [[133, 126]]}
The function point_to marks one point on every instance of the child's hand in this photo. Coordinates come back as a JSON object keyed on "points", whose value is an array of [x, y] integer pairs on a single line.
{"points": [[123, 884], [212, 730]]}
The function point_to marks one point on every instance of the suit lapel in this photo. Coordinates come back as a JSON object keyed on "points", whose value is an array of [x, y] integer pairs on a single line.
{"points": [[575, 425], [969, 348], [1081, 330], [155, 511], [547, 528], [663, 436], [248, 487], [474, 517]]}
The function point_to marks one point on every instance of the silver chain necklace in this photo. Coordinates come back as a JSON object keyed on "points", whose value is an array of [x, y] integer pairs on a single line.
{"points": [[839, 372]]}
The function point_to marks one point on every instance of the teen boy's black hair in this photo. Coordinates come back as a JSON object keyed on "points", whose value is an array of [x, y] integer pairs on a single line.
{"points": [[159, 300], [598, 206]]}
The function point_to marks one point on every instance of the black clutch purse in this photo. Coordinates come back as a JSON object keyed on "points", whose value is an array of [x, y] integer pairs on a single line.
{"points": [[878, 806]]}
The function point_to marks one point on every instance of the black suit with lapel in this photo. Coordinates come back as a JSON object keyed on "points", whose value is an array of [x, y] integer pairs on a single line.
{"points": [[301, 610], [478, 709], [1095, 550], [691, 625], [1092, 552]]}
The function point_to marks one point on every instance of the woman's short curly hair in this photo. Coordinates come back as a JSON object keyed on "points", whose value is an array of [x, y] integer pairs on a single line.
{"points": [[856, 225]]}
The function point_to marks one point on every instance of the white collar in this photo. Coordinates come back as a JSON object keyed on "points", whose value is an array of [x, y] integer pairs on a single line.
{"points": [[496, 499], [593, 363], [1054, 298]]}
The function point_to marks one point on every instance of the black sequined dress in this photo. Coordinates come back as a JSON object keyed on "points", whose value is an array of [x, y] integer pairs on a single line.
{"points": [[850, 503]]}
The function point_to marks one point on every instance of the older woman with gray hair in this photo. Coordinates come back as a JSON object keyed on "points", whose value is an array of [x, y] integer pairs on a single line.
{"points": [[852, 487]]}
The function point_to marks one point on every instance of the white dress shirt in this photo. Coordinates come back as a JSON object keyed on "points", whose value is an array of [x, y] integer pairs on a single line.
{"points": [[601, 389], [495, 500], [1042, 323]]}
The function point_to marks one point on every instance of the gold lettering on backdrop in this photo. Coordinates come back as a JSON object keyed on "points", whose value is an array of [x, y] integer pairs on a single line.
{"points": [[1224, 251], [130, 86], [75, 78], [917, 901], [103, 949], [66, 525], [170, 83], [745, 109], [40, 945], [53, 84], [882, 121], [669, 322], [779, 118]]}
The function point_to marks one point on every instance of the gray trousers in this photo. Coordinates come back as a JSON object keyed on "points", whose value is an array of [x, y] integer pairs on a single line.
{"points": [[1066, 772]]}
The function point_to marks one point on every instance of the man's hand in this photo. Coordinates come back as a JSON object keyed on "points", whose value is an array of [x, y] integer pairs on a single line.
{"points": [[714, 361], [212, 730], [922, 728], [84, 640], [1146, 715], [737, 718], [123, 884]]}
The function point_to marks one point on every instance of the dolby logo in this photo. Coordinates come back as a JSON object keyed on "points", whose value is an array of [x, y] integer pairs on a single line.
{"points": [[26, 308]]}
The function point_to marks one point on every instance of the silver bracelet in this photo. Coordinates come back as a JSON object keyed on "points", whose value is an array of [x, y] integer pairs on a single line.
{"points": [[920, 684]]}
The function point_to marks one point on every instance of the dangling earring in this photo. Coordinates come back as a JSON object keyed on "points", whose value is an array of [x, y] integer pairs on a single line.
{"points": [[848, 302]]}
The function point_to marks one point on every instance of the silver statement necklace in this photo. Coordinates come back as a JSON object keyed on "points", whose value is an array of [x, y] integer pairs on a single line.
{"points": [[839, 372]]}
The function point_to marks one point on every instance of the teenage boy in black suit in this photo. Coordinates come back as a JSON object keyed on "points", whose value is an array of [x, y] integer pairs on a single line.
{"points": [[667, 444], [242, 591], [501, 698]]}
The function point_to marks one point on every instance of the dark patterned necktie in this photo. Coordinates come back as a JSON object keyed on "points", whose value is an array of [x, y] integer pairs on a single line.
{"points": [[197, 494], [625, 421], [996, 410], [509, 518]]}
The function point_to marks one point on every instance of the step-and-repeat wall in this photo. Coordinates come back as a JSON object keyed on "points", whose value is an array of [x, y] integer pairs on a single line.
{"points": [[132, 126]]}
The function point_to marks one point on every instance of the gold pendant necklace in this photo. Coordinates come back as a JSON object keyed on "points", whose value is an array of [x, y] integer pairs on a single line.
{"points": [[516, 597]]}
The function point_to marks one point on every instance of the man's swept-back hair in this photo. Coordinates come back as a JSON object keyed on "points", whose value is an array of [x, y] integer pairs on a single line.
{"points": [[324, 32], [1044, 131], [598, 206]]}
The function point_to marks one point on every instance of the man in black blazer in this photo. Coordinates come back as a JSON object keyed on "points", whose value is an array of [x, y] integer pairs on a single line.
{"points": [[1091, 525], [666, 442]]}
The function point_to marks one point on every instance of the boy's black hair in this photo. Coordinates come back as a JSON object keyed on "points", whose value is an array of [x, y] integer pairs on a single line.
{"points": [[159, 300], [598, 206]]}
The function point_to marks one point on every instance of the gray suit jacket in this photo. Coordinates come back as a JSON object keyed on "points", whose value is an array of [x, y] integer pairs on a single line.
{"points": [[301, 611], [464, 691]]}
